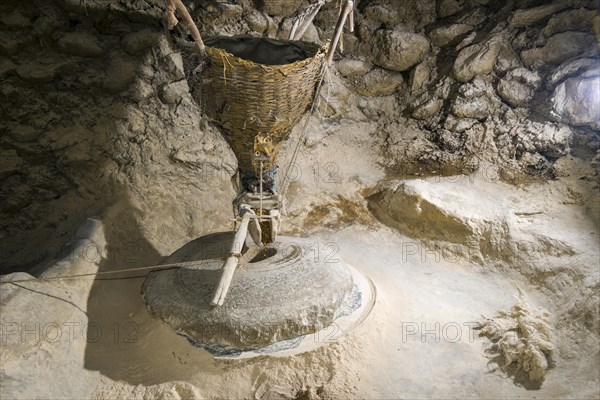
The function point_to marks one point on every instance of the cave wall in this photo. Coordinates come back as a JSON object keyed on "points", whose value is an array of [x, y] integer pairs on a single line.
{"points": [[97, 107]]}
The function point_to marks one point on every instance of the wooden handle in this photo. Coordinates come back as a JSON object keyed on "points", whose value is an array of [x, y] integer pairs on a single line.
{"points": [[232, 261]]}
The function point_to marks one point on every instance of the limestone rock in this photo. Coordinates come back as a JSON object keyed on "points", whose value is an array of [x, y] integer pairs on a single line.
{"points": [[80, 44], [527, 17], [283, 8], [170, 93], [419, 76], [427, 108], [378, 82], [414, 15], [475, 60], [173, 64], [257, 21], [572, 20], [570, 68], [446, 8], [518, 86], [576, 101], [553, 140], [349, 67], [383, 12], [444, 35], [458, 124], [135, 42], [475, 100], [398, 50], [559, 48]]}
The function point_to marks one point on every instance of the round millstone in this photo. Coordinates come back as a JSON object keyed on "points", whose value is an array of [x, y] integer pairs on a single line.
{"points": [[293, 288]]}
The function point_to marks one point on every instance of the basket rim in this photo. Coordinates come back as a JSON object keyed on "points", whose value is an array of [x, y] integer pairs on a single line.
{"points": [[216, 51]]}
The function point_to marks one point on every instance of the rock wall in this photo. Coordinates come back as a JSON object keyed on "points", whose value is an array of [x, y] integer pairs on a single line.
{"points": [[97, 105]]}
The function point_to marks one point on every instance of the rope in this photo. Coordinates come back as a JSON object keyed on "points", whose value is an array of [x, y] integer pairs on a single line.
{"points": [[152, 267], [285, 183]]}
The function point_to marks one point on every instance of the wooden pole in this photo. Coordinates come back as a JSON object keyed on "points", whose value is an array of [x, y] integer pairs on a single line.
{"points": [[306, 23], [187, 18], [339, 29]]}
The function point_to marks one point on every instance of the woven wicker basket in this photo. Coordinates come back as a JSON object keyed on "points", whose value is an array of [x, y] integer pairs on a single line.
{"points": [[246, 98]]}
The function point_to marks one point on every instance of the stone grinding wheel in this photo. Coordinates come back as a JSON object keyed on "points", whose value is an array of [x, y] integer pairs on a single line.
{"points": [[281, 294]]}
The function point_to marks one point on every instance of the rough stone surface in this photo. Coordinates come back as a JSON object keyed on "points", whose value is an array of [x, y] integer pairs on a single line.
{"points": [[475, 60], [279, 7], [419, 76], [529, 16], [577, 101], [171, 93], [475, 100], [446, 8], [38, 363], [378, 82], [301, 294], [444, 35], [559, 48], [570, 68], [398, 50], [572, 20], [137, 41], [349, 67], [518, 86], [80, 44]]}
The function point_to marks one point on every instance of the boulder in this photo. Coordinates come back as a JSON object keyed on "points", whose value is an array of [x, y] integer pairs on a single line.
{"points": [[475, 60], [45, 325], [529, 16], [572, 20], [446, 34], [283, 8], [80, 44], [518, 86], [349, 67], [454, 124], [398, 50], [475, 100], [428, 108], [576, 101], [173, 92], [446, 8], [419, 76], [570, 68], [559, 48], [135, 42], [378, 82]]}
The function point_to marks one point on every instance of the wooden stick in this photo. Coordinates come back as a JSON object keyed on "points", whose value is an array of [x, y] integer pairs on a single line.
{"points": [[339, 29], [307, 21], [232, 261], [187, 18]]}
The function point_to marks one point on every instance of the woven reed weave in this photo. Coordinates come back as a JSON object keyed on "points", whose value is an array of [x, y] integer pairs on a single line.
{"points": [[246, 98]]}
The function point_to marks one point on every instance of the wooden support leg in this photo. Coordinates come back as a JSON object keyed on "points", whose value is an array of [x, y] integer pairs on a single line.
{"points": [[339, 29]]}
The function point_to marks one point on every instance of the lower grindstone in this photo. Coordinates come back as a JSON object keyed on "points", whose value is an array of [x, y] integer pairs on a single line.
{"points": [[277, 296]]}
